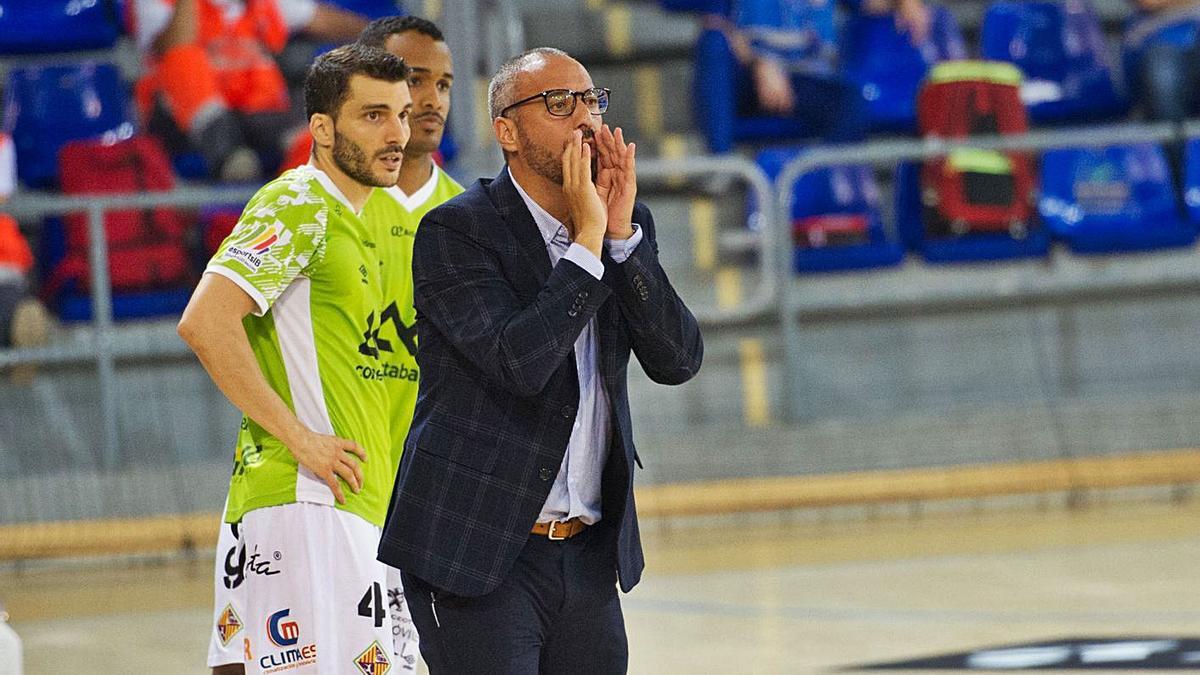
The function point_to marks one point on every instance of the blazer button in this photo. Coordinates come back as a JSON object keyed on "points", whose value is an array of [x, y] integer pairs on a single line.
{"points": [[567, 412], [545, 474], [572, 313], [583, 295]]}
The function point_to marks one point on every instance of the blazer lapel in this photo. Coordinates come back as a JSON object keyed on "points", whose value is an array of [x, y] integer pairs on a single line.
{"points": [[516, 215]]}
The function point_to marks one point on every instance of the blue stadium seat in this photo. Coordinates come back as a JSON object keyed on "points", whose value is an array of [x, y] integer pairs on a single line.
{"points": [[974, 248], [715, 100], [1191, 190], [835, 195], [1112, 200], [46, 107], [884, 62], [1060, 48], [48, 26]]}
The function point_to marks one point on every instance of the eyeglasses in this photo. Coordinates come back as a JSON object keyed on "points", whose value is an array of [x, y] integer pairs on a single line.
{"points": [[561, 102]]}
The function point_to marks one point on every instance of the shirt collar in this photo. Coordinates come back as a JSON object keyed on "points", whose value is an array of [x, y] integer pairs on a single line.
{"points": [[327, 183], [415, 200], [547, 224]]}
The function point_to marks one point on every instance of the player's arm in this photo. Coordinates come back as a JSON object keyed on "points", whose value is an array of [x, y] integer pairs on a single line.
{"points": [[212, 327]]}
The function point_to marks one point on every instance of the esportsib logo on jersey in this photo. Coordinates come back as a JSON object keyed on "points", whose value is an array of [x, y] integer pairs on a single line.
{"points": [[251, 254], [282, 633]]}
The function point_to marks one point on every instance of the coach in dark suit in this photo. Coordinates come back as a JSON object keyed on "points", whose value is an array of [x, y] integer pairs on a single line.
{"points": [[513, 520]]}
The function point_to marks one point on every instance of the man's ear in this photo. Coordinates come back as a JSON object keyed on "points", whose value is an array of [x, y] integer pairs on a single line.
{"points": [[321, 127], [506, 133]]}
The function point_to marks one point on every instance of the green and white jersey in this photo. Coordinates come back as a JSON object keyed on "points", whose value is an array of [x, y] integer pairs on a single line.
{"points": [[312, 266], [394, 216]]}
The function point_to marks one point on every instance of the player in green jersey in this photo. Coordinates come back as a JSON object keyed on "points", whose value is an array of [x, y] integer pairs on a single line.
{"points": [[286, 321], [397, 211]]}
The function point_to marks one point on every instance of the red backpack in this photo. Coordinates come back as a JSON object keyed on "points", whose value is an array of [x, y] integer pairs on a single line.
{"points": [[975, 191], [146, 247]]}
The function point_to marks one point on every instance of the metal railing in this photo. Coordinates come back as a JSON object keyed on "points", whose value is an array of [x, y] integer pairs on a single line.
{"points": [[763, 298], [98, 345], [950, 287], [772, 297]]}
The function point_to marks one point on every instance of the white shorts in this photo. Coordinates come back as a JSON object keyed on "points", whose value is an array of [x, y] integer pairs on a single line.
{"points": [[313, 597], [225, 643]]}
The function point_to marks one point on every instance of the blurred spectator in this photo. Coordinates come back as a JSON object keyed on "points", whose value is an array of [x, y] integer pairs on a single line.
{"points": [[788, 57], [212, 85], [23, 320], [1163, 64], [1162, 41]]}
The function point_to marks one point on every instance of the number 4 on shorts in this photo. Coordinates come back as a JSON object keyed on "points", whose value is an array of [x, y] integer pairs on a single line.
{"points": [[371, 605]]}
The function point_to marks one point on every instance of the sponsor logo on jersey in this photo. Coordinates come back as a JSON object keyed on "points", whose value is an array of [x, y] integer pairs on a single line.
{"points": [[235, 561], [376, 347], [247, 457], [251, 254], [261, 566], [388, 371], [288, 659], [372, 344], [373, 661], [228, 625], [282, 633]]}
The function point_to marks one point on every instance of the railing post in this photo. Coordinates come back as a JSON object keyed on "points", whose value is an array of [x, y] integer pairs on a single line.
{"points": [[789, 330], [102, 320]]}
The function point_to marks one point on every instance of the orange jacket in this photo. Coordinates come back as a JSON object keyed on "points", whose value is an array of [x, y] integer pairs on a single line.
{"points": [[14, 250], [230, 63]]}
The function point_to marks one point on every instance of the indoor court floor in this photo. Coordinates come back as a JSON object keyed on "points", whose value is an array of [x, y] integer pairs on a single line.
{"points": [[799, 592]]}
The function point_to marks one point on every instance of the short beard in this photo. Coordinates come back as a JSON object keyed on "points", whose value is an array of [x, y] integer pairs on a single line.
{"points": [[543, 161], [350, 158]]}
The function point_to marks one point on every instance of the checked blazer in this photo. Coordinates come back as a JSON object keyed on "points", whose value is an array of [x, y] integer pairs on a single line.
{"points": [[496, 328]]}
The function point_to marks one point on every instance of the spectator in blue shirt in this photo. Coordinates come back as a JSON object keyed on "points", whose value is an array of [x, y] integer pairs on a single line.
{"points": [[788, 57], [1164, 52]]}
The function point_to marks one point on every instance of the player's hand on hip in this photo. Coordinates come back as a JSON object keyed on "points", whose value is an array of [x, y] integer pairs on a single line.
{"points": [[589, 217], [617, 181], [331, 458]]}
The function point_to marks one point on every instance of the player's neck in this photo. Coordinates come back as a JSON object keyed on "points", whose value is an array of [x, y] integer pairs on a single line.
{"points": [[415, 172], [355, 192], [543, 191]]}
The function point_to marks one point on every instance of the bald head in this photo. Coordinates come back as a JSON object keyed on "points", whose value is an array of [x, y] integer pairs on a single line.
{"points": [[505, 84]]}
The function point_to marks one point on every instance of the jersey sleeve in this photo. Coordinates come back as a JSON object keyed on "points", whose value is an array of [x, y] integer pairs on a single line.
{"points": [[278, 237]]}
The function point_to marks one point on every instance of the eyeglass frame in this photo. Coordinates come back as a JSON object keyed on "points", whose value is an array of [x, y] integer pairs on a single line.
{"points": [[576, 97]]}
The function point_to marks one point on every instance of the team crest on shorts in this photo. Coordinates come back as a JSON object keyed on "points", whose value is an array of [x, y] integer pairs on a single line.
{"points": [[373, 661], [228, 625]]}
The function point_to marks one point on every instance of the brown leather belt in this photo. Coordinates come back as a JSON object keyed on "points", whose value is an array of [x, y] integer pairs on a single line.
{"points": [[557, 530]]}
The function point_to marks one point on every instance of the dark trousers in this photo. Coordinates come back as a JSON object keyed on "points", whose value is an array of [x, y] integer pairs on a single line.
{"points": [[832, 108], [557, 612], [1168, 86]]}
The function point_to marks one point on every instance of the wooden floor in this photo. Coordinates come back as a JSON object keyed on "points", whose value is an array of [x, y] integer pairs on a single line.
{"points": [[804, 592]]}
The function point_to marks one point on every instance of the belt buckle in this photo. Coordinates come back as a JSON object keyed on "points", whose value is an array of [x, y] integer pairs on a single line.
{"points": [[550, 533]]}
